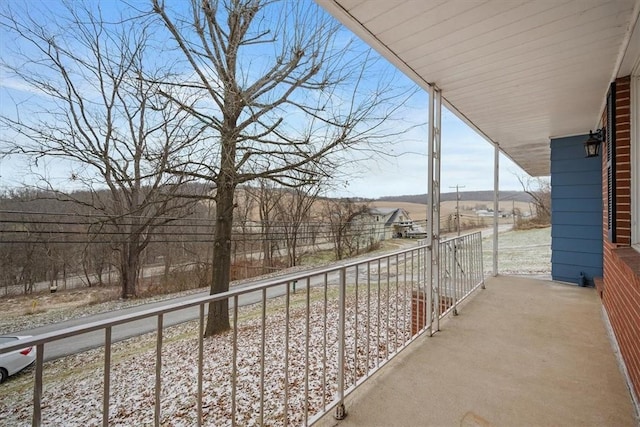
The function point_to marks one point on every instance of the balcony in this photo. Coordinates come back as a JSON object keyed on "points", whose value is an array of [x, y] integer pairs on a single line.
{"points": [[521, 352]]}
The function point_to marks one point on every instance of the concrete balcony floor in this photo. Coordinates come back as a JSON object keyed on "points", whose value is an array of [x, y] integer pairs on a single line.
{"points": [[523, 352]]}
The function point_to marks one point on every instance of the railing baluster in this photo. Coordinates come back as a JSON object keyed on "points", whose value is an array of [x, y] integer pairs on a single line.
{"points": [[262, 354], [355, 339], [368, 315], [37, 387], [324, 347], [378, 322], [481, 257], [340, 410], [454, 262], [286, 356], [106, 390], [306, 355], [234, 361], [469, 263], [156, 416], [396, 301], [200, 364], [386, 346]]}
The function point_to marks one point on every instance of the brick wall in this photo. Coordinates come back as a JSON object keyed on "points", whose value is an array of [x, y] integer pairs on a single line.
{"points": [[621, 288], [621, 298], [623, 160], [418, 311]]}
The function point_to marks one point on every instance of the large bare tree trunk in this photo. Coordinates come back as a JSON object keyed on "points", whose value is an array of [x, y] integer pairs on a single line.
{"points": [[129, 271], [218, 319]]}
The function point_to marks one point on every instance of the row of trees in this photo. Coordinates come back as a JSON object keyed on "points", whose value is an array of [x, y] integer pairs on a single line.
{"points": [[140, 101], [44, 239]]}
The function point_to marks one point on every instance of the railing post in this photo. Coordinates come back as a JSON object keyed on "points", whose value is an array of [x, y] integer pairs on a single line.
{"points": [[106, 393], [340, 410], [454, 279], [200, 365], [158, 388], [481, 255], [37, 387]]}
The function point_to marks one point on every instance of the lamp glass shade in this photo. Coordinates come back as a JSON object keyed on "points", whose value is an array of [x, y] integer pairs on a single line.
{"points": [[592, 146]]}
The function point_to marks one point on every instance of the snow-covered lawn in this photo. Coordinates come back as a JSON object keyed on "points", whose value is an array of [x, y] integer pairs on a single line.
{"points": [[526, 252], [73, 385]]}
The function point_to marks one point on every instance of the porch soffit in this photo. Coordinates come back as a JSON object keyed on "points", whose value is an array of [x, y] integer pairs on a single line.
{"points": [[519, 72]]}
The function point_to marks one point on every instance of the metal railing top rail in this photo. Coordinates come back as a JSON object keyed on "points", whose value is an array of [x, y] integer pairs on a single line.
{"points": [[197, 301]]}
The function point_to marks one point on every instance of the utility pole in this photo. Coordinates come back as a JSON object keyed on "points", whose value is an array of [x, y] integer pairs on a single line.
{"points": [[457, 187]]}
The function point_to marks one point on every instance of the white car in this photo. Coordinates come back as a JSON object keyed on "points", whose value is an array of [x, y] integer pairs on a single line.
{"points": [[16, 360]]}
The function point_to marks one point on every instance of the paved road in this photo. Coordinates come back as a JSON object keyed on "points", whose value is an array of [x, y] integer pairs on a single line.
{"points": [[79, 343]]}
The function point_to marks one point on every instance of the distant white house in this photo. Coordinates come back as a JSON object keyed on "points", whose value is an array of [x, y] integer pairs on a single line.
{"points": [[489, 213], [378, 224]]}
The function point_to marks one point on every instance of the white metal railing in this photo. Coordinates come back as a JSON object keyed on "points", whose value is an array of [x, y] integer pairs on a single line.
{"points": [[297, 346]]}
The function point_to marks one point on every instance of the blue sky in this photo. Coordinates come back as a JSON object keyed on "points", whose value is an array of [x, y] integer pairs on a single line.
{"points": [[467, 159]]}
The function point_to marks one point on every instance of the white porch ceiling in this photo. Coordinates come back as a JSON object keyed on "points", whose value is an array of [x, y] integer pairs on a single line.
{"points": [[519, 72]]}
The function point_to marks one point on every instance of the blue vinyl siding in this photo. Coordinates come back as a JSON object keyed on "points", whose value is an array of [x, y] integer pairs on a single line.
{"points": [[570, 231], [576, 191], [576, 211]]}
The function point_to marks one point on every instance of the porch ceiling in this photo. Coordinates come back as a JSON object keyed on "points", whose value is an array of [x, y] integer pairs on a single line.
{"points": [[519, 72]]}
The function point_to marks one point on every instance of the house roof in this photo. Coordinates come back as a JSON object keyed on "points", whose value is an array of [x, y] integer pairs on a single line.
{"points": [[382, 211], [518, 72], [392, 212]]}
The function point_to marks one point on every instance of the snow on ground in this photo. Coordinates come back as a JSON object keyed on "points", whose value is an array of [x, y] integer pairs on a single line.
{"points": [[73, 385], [526, 252]]}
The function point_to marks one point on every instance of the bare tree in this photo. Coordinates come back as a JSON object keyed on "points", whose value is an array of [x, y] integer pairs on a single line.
{"points": [[283, 97], [267, 197], [345, 232], [539, 189], [245, 223], [294, 213], [98, 115]]}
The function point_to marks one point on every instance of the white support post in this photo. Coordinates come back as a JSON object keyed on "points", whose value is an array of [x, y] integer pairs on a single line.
{"points": [[496, 206], [428, 289], [433, 212], [435, 254]]}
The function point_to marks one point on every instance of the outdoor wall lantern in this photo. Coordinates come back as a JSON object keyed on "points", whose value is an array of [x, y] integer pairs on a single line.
{"points": [[592, 145]]}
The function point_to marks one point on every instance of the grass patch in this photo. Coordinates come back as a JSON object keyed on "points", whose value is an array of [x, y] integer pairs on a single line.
{"points": [[34, 308]]}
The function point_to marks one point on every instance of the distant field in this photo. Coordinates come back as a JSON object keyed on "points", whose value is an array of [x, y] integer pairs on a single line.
{"points": [[418, 211]]}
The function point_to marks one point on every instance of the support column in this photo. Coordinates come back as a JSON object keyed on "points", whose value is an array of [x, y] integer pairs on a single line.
{"points": [[433, 206], [496, 205]]}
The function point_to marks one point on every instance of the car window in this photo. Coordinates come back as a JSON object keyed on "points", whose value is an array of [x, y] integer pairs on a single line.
{"points": [[4, 340]]}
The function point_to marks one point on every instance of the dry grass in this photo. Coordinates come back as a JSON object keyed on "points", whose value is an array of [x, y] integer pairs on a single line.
{"points": [[61, 300], [418, 211]]}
